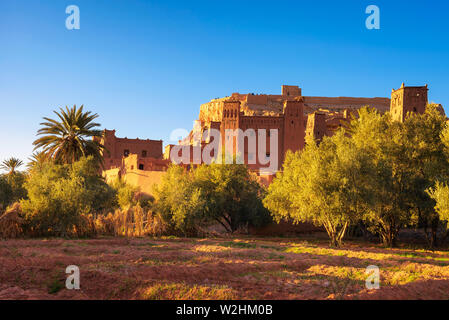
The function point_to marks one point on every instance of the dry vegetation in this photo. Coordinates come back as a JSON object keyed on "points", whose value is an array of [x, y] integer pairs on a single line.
{"points": [[11, 223], [245, 268]]}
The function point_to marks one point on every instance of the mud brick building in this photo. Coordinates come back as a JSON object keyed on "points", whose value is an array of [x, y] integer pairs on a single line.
{"points": [[294, 116]]}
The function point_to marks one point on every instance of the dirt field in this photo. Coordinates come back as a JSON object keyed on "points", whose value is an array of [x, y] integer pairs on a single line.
{"points": [[217, 269]]}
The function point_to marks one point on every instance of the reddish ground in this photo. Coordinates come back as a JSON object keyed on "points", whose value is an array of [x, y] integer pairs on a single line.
{"points": [[145, 268]]}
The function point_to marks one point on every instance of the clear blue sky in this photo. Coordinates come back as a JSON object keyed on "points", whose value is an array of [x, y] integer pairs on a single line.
{"points": [[146, 66]]}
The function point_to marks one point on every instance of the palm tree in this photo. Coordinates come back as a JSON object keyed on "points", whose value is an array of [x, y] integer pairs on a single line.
{"points": [[37, 159], [11, 165], [70, 138]]}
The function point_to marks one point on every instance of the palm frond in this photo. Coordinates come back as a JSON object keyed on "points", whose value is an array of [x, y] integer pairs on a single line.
{"points": [[11, 165], [69, 137]]}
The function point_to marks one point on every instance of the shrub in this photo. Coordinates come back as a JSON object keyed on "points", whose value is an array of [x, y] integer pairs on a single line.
{"points": [[5, 192], [130, 196], [12, 188], [11, 222], [59, 196], [225, 194]]}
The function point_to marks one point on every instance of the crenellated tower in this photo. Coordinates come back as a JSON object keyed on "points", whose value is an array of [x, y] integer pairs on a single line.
{"points": [[293, 125], [408, 99]]}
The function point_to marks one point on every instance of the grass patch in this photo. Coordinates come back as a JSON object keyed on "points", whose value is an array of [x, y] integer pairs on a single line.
{"points": [[271, 247], [181, 291], [82, 244], [273, 256], [144, 244], [211, 248], [240, 245], [55, 286], [441, 259]]}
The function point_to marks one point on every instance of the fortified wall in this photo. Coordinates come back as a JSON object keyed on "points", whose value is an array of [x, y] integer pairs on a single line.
{"points": [[117, 148], [138, 162], [142, 162], [272, 105]]}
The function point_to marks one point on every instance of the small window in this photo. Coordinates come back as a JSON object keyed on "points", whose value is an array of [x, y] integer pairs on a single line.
{"points": [[267, 154], [141, 166], [126, 153], [414, 109], [144, 153]]}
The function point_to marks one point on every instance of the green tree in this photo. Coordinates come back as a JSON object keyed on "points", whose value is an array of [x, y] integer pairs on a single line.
{"points": [[231, 196], [387, 175], [428, 163], [5, 192], [440, 193], [227, 194], [320, 185], [58, 194], [11, 186], [176, 200], [69, 138], [128, 196]]}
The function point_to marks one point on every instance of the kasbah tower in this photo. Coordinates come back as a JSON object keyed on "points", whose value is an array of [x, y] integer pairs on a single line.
{"points": [[143, 162]]}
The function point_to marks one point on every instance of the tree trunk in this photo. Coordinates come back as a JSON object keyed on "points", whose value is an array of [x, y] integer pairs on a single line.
{"points": [[335, 235], [434, 236], [388, 238], [333, 241]]}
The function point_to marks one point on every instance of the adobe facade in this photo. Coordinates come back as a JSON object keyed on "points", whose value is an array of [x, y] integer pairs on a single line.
{"points": [[289, 125], [293, 116], [116, 149], [140, 172], [137, 162], [408, 99]]}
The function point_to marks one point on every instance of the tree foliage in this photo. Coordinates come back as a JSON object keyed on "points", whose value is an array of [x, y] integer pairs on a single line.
{"points": [[440, 193], [5, 192], [427, 159], [11, 183], [11, 165], [227, 194], [375, 169], [59, 194], [386, 173], [130, 196], [319, 185], [69, 138]]}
